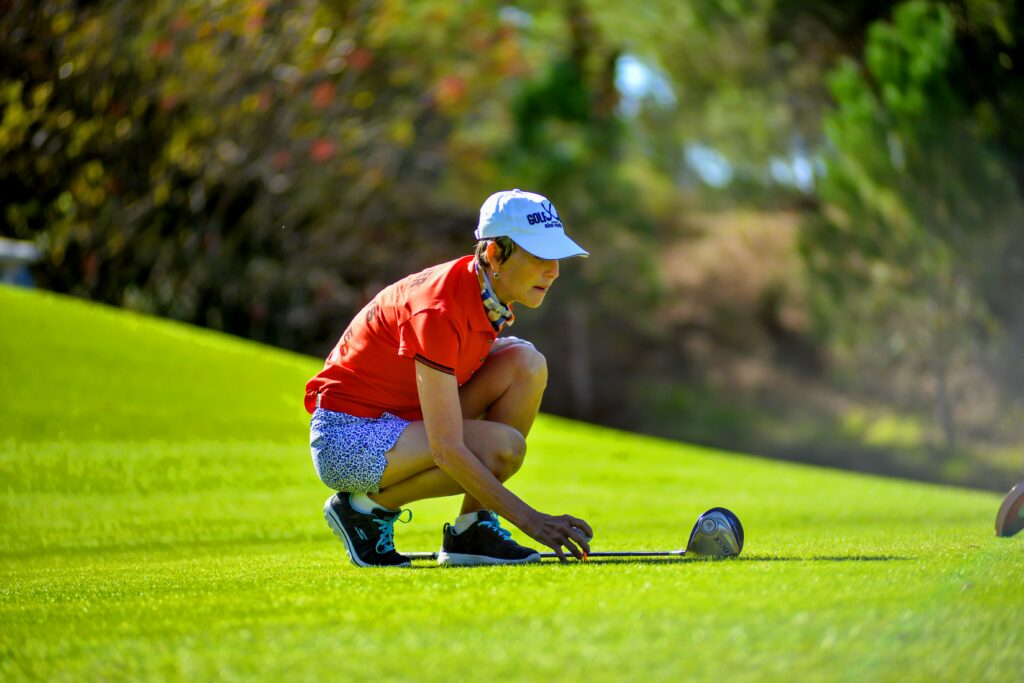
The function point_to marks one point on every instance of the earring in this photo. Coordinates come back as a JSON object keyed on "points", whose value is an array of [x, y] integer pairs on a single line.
{"points": [[497, 276]]}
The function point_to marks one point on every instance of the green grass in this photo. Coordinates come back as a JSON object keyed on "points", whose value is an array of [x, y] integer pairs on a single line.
{"points": [[160, 519]]}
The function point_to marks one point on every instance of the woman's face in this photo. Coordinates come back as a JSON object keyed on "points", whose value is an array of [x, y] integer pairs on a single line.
{"points": [[524, 278]]}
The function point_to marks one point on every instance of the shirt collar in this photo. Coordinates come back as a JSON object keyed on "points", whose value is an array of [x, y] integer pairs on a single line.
{"points": [[478, 321]]}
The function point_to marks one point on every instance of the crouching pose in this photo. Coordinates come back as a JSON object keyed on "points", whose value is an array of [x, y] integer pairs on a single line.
{"points": [[421, 398]]}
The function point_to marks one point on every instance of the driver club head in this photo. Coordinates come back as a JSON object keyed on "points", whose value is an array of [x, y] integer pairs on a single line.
{"points": [[1010, 519], [717, 533]]}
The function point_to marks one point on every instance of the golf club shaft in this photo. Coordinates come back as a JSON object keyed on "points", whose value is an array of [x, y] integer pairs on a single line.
{"points": [[646, 553]]}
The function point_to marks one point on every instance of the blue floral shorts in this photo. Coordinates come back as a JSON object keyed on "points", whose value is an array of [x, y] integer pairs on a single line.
{"points": [[348, 451]]}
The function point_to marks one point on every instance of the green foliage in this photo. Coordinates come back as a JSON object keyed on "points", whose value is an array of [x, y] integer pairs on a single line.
{"points": [[914, 198], [252, 166], [264, 167]]}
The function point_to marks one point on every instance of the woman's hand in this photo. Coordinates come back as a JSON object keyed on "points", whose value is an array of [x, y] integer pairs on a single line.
{"points": [[561, 531]]}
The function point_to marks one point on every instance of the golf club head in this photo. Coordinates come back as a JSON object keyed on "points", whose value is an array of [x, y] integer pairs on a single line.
{"points": [[1010, 518], [717, 533]]}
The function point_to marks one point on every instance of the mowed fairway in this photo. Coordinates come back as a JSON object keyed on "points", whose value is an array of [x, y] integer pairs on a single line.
{"points": [[160, 519]]}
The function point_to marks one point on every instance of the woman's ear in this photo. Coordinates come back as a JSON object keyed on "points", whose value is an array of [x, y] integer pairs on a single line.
{"points": [[493, 252]]}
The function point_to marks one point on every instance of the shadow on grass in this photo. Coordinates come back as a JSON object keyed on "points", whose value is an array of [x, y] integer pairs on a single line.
{"points": [[419, 563], [824, 558]]}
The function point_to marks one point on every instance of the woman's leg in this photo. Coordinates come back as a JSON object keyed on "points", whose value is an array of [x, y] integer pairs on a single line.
{"points": [[499, 447], [505, 392], [508, 387]]}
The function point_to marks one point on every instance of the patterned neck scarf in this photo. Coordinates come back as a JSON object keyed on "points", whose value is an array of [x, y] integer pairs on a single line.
{"points": [[498, 313]]}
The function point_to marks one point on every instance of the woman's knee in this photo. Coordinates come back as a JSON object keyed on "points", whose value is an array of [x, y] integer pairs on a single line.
{"points": [[506, 452], [529, 364]]}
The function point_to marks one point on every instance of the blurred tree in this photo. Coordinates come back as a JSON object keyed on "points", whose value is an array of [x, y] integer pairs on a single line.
{"points": [[265, 167], [915, 198], [568, 141], [258, 167]]}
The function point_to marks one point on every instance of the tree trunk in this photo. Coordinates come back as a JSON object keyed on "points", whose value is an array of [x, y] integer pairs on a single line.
{"points": [[943, 401], [580, 388]]}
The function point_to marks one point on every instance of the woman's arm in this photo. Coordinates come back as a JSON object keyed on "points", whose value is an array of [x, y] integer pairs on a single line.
{"points": [[442, 418]]}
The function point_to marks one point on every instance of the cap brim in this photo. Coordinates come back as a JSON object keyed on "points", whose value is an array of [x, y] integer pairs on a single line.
{"points": [[552, 247]]}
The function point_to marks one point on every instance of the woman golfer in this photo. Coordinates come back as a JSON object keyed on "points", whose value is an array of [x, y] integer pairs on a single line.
{"points": [[421, 399]]}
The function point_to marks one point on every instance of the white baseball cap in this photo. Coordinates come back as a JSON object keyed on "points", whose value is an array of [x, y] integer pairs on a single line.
{"points": [[530, 220]]}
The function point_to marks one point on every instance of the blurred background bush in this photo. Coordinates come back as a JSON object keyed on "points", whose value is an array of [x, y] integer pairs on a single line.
{"points": [[805, 219]]}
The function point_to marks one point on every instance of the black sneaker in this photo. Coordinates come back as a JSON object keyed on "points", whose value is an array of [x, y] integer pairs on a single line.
{"points": [[484, 542], [368, 538]]}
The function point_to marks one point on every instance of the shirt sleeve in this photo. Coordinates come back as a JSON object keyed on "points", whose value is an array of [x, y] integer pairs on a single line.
{"points": [[430, 337]]}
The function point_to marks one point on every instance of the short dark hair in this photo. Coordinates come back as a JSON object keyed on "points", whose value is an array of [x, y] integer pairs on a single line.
{"points": [[505, 244]]}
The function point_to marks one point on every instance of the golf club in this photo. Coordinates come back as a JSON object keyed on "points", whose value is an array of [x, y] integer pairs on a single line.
{"points": [[652, 553], [717, 533]]}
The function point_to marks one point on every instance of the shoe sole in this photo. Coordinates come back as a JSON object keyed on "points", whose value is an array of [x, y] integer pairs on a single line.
{"points": [[463, 560], [338, 528]]}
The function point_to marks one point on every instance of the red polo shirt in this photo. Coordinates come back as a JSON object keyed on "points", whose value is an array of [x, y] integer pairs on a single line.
{"points": [[435, 316]]}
